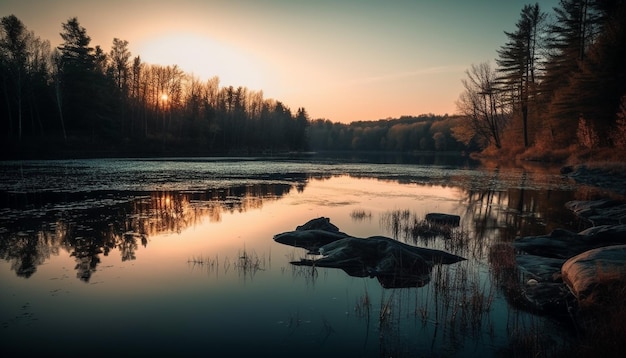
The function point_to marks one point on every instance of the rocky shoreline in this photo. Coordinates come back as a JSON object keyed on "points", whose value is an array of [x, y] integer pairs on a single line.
{"points": [[610, 177], [575, 275]]}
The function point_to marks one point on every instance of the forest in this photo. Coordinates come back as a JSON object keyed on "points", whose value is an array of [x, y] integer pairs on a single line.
{"points": [[557, 85], [426, 132], [80, 101]]}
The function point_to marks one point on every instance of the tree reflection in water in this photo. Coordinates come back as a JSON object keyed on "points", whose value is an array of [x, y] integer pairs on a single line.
{"points": [[88, 225]]}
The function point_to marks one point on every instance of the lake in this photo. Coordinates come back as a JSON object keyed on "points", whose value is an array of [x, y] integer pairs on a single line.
{"points": [[175, 256]]}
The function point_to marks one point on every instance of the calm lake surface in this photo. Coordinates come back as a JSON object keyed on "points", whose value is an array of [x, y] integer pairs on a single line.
{"points": [[126, 257]]}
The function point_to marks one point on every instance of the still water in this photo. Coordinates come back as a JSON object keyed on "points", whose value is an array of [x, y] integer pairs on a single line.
{"points": [[126, 257]]}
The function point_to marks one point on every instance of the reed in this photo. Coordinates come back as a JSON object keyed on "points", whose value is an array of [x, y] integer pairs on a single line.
{"points": [[361, 215], [202, 260], [363, 306], [385, 314], [205, 263], [248, 262], [407, 226]]}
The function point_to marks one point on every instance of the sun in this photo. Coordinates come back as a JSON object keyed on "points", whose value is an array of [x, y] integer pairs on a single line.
{"points": [[164, 97]]}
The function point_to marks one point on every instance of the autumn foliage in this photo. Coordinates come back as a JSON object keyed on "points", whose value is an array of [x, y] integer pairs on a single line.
{"points": [[560, 84]]}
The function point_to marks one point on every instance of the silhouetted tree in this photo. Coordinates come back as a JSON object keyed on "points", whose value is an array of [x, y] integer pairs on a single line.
{"points": [[298, 132], [120, 56], [518, 60], [77, 78], [569, 39], [482, 104], [107, 98], [25, 73], [13, 56], [597, 88]]}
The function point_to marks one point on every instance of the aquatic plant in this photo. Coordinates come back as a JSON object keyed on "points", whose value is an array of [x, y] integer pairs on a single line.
{"points": [[248, 262], [360, 215]]}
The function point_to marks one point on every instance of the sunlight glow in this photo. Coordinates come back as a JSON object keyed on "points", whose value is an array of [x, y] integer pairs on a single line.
{"points": [[204, 57]]}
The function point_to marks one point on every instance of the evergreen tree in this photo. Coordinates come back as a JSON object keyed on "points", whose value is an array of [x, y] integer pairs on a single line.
{"points": [[13, 47], [78, 78], [24, 72], [518, 60], [569, 39]]}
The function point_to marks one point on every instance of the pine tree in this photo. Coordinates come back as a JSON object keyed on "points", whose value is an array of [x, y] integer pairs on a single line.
{"points": [[518, 63], [569, 40]]}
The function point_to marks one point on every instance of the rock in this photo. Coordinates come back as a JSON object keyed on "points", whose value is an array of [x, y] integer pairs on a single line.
{"points": [[606, 234], [311, 235], [560, 244], [393, 263], [564, 244], [320, 223], [587, 266], [599, 212], [311, 240], [542, 269], [545, 291], [443, 219], [547, 297], [608, 177], [593, 274]]}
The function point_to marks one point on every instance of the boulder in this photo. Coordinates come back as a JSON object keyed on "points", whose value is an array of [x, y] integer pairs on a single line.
{"points": [[564, 244], [443, 219], [545, 291], [321, 223], [588, 266], [541, 269], [594, 274], [310, 240], [547, 297], [599, 212], [311, 235], [560, 244], [393, 263]]}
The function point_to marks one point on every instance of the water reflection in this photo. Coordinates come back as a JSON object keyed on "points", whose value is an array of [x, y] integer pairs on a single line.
{"points": [[37, 224], [86, 226], [461, 311]]}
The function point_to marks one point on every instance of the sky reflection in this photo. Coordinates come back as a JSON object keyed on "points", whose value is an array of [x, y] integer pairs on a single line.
{"points": [[161, 271]]}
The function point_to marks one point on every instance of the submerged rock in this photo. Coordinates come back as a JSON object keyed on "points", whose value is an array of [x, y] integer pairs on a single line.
{"points": [[393, 263], [311, 235], [599, 212], [564, 244], [595, 273], [541, 269], [548, 297], [443, 219], [321, 223], [311, 240], [589, 264]]}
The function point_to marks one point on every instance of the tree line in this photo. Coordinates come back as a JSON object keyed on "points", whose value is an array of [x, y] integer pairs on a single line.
{"points": [[80, 99], [559, 82], [426, 132]]}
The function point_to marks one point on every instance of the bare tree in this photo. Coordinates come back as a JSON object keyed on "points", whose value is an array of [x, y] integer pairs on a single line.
{"points": [[483, 106]]}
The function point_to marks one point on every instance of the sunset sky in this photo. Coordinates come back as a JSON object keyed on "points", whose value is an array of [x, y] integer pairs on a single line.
{"points": [[343, 60]]}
